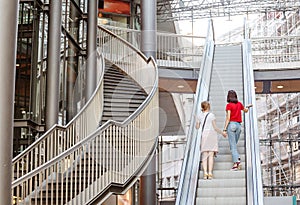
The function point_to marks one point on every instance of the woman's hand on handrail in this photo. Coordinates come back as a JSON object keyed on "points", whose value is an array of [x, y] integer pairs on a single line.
{"points": [[248, 106]]}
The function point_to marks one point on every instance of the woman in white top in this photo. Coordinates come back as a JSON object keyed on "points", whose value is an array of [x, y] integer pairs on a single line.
{"points": [[209, 139]]}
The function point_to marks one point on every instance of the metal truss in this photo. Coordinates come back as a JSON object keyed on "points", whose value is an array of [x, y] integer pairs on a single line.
{"points": [[175, 10]]}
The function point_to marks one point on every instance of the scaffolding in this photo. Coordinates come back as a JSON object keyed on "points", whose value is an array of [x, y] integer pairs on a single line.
{"points": [[279, 124]]}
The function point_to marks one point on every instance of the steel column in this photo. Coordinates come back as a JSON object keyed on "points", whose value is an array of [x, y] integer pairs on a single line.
{"points": [[8, 39], [149, 27], [91, 77], [148, 47], [148, 184], [52, 90]]}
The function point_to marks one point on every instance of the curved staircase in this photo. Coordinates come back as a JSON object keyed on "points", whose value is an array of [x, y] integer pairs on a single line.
{"points": [[86, 162]]}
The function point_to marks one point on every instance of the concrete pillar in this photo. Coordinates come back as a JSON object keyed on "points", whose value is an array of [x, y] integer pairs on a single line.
{"points": [[8, 36], [52, 87], [149, 27], [91, 75]]}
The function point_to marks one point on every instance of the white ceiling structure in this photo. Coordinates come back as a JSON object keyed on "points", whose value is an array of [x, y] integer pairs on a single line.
{"points": [[176, 10]]}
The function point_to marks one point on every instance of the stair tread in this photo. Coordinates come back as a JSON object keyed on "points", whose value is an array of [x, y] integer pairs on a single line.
{"points": [[227, 67]]}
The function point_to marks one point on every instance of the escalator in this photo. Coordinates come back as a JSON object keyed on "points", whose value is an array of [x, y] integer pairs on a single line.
{"points": [[224, 67], [227, 187]]}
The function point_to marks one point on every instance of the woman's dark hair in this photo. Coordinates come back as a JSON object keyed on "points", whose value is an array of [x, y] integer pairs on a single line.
{"points": [[232, 97]]}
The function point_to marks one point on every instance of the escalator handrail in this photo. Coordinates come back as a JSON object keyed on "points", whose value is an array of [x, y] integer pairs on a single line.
{"points": [[254, 178], [191, 162]]}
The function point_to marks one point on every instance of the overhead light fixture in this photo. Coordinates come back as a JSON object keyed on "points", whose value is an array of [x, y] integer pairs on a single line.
{"points": [[279, 86], [180, 86]]}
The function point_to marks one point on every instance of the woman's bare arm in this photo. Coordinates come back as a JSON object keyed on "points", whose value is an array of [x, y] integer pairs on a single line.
{"points": [[197, 125], [216, 128], [228, 112]]}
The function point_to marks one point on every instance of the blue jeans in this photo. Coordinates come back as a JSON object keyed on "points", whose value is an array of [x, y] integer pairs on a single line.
{"points": [[234, 132]]}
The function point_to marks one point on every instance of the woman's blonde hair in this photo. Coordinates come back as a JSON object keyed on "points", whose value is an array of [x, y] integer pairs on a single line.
{"points": [[205, 105]]}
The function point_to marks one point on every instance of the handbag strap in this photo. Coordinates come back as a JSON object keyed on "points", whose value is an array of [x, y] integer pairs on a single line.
{"points": [[204, 121]]}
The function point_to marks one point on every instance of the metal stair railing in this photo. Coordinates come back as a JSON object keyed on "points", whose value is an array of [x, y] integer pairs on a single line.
{"points": [[253, 162], [173, 50], [60, 138], [128, 58], [115, 154], [191, 162]]}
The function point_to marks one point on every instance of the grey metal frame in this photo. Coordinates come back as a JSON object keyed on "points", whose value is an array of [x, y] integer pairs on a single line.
{"points": [[254, 179]]}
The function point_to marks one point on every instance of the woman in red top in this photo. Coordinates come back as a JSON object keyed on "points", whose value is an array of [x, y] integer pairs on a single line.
{"points": [[233, 125]]}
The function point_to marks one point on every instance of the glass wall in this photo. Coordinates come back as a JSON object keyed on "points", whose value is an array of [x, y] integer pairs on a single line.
{"points": [[73, 49], [24, 60], [31, 66], [30, 74]]}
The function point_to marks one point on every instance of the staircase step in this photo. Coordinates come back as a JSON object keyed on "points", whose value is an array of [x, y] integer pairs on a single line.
{"points": [[121, 109], [225, 165], [111, 106], [128, 101], [221, 192], [225, 142], [116, 114], [226, 174], [125, 96], [226, 150], [119, 84], [115, 118], [126, 91], [116, 78], [227, 158], [119, 88], [222, 183], [221, 200]]}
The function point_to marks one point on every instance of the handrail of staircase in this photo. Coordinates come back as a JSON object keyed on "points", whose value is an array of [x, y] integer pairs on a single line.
{"points": [[191, 162], [112, 154], [113, 49], [60, 138], [253, 165], [177, 50]]}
